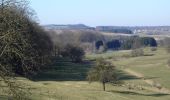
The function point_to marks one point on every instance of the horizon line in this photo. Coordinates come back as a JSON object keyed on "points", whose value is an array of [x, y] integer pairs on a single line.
{"points": [[112, 25]]}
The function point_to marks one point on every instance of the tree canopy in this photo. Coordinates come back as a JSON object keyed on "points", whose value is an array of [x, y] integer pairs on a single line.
{"points": [[24, 45]]}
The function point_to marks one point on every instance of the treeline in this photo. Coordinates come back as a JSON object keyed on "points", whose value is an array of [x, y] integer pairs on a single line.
{"points": [[125, 31], [93, 41], [113, 29], [126, 43]]}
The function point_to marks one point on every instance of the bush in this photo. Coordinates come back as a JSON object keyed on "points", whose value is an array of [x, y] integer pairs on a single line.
{"points": [[137, 52], [102, 49], [153, 49], [98, 44], [168, 62], [75, 53], [157, 85], [113, 45], [168, 49], [126, 55]]}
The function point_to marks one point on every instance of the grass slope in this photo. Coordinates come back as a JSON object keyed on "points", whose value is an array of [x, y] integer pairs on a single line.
{"points": [[66, 81]]}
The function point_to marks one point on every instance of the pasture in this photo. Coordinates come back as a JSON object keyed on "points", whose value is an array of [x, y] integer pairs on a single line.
{"points": [[140, 76]]}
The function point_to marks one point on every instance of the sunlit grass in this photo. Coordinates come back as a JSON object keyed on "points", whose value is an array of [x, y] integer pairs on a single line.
{"points": [[67, 81]]}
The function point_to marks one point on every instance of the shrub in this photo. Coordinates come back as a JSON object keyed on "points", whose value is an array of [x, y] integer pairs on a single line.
{"points": [[75, 53], [168, 49], [126, 55], [98, 44], [137, 52], [113, 45], [153, 49], [168, 62], [157, 85], [101, 49]]}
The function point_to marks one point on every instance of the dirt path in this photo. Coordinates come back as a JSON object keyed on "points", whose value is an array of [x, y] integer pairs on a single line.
{"points": [[148, 81]]}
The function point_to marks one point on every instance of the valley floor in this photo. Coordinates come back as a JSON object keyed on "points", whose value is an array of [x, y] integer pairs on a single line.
{"points": [[144, 78]]}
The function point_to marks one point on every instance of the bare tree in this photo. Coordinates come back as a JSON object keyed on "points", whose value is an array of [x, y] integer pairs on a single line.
{"points": [[103, 72]]}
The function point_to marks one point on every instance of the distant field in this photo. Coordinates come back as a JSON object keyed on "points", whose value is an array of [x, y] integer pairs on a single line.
{"points": [[115, 34], [157, 37], [67, 81]]}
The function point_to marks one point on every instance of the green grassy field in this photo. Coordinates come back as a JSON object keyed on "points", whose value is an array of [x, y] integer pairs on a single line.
{"points": [[67, 81]]}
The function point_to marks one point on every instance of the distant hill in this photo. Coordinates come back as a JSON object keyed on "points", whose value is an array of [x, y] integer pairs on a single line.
{"points": [[148, 30], [69, 27]]}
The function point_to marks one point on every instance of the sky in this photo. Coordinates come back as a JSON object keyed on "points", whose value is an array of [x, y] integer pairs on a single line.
{"points": [[103, 12]]}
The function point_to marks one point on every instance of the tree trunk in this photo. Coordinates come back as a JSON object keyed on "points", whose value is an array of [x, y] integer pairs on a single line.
{"points": [[104, 86]]}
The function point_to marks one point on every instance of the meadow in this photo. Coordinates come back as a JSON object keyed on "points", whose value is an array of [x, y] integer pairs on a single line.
{"points": [[143, 78]]}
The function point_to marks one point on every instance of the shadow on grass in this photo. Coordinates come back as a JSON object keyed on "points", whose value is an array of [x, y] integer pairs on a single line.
{"points": [[125, 76], [3, 97], [146, 78], [141, 94], [65, 70], [148, 54]]}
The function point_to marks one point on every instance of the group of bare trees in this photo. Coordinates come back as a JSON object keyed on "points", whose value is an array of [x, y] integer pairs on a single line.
{"points": [[83, 38], [74, 43], [24, 45]]}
